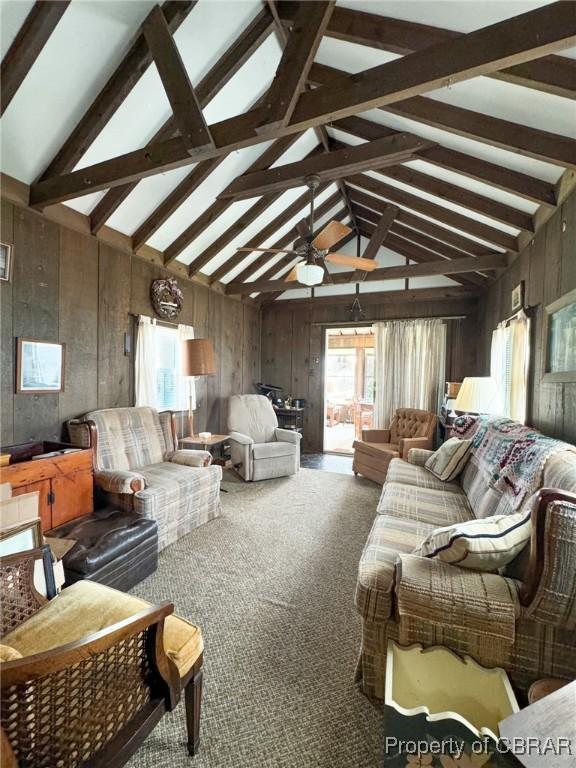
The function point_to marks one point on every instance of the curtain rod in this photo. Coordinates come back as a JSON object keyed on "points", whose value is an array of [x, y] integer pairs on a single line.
{"points": [[361, 323]]}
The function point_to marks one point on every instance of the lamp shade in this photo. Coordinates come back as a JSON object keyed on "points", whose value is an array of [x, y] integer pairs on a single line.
{"points": [[198, 357], [309, 274], [478, 394]]}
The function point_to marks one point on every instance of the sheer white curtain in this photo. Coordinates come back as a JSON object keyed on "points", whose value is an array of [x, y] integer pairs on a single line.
{"points": [[187, 386], [145, 363], [509, 361], [410, 362]]}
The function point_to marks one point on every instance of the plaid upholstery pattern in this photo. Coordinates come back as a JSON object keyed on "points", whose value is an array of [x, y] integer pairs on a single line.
{"points": [[413, 474], [119, 482], [419, 456], [388, 537], [128, 438], [484, 499], [426, 505], [179, 499]]}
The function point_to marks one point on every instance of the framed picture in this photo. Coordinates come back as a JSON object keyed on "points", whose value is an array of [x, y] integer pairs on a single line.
{"points": [[518, 297], [39, 367], [560, 339], [5, 261], [21, 538]]}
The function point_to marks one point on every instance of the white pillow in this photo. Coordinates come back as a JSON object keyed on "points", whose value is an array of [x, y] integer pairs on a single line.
{"points": [[485, 545], [450, 459]]}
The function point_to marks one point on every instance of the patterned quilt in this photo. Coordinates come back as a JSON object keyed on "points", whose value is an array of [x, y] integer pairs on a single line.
{"points": [[513, 454]]}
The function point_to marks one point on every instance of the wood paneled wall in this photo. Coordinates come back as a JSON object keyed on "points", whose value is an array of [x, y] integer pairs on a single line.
{"points": [[548, 268], [70, 287], [293, 347]]}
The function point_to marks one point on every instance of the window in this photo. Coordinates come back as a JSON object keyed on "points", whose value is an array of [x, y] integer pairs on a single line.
{"points": [[159, 383], [509, 359], [369, 381]]}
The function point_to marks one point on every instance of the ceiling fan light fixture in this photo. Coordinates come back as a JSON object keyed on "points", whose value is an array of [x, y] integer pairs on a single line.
{"points": [[309, 274]]}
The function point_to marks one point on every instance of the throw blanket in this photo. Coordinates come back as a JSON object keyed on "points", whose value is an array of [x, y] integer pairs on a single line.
{"points": [[514, 455]]}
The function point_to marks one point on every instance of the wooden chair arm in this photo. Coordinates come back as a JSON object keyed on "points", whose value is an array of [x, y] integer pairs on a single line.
{"points": [[19, 597]]}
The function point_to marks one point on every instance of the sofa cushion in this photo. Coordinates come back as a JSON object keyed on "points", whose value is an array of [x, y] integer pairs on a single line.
{"points": [[7, 653], [376, 449], [426, 505], [273, 450], [401, 471], [450, 459], [560, 471], [388, 538], [484, 545], [87, 607]]}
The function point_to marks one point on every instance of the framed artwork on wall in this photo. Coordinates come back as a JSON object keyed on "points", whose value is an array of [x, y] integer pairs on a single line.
{"points": [[6, 251], [39, 367], [560, 339], [518, 297]]}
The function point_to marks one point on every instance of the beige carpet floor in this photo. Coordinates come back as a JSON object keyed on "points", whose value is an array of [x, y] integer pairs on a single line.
{"points": [[271, 583]]}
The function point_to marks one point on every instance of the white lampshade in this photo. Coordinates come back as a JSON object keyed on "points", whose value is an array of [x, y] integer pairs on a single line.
{"points": [[478, 394], [309, 274]]}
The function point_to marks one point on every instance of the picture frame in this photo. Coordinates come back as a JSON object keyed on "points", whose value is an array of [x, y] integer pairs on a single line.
{"points": [[560, 340], [517, 297], [6, 254], [21, 538], [40, 367]]}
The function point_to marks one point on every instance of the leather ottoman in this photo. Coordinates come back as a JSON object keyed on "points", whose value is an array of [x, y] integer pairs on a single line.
{"points": [[113, 547]]}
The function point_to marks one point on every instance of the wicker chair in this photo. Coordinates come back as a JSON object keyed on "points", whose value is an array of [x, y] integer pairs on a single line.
{"points": [[89, 699]]}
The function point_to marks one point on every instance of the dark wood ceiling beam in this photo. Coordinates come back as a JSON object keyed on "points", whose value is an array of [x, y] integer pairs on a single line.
{"points": [[440, 213], [341, 162], [27, 45], [416, 222], [174, 200], [383, 223], [310, 22], [178, 87], [287, 239], [390, 297], [221, 73], [424, 269], [273, 226], [517, 183], [114, 92], [217, 208], [522, 38], [550, 74]]}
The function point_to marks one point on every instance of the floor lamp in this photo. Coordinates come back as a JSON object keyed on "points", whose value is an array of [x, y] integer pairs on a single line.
{"points": [[197, 360]]}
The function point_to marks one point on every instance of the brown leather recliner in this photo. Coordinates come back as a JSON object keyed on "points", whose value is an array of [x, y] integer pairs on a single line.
{"points": [[410, 428]]}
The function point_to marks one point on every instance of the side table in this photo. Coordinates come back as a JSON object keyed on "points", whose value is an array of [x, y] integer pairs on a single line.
{"points": [[207, 445]]}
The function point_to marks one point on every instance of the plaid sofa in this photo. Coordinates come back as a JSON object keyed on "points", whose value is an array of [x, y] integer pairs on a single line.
{"points": [[138, 467], [488, 616]]}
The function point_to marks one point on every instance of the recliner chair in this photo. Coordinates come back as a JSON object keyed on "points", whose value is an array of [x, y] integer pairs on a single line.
{"points": [[259, 449]]}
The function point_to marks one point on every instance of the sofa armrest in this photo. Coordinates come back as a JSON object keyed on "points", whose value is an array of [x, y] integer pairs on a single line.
{"points": [[238, 437], [376, 435], [453, 598], [190, 458], [406, 443], [287, 436], [119, 481], [418, 456]]}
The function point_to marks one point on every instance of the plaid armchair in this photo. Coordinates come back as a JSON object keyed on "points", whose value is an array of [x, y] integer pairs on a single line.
{"points": [[137, 466], [523, 620]]}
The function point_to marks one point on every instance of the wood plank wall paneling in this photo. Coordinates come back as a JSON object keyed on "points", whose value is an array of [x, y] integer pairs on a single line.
{"points": [[293, 348], [71, 287], [548, 267]]}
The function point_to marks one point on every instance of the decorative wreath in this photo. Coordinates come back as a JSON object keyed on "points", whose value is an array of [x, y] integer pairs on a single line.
{"points": [[166, 298]]}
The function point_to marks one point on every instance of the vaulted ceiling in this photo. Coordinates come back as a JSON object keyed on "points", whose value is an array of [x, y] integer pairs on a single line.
{"points": [[452, 127]]}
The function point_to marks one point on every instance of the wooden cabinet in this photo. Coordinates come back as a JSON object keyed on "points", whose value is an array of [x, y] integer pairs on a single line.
{"points": [[65, 481]]}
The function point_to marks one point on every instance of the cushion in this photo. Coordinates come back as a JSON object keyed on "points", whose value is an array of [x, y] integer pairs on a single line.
{"points": [[7, 653], [449, 460], [88, 607], [190, 458], [376, 449], [401, 471], [273, 450], [128, 438], [388, 538], [252, 415], [426, 505], [484, 545]]}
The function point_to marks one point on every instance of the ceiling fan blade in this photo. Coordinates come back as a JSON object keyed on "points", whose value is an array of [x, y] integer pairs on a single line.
{"points": [[352, 261], [332, 233], [265, 250], [292, 275]]}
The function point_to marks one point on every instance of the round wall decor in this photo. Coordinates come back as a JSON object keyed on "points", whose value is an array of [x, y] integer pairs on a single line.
{"points": [[166, 297]]}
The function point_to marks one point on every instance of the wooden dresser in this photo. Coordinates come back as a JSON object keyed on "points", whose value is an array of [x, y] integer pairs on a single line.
{"points": [[64, 479]]}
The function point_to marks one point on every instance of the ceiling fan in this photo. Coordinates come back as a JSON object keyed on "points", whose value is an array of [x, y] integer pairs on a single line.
{"points": [[315, 251]]}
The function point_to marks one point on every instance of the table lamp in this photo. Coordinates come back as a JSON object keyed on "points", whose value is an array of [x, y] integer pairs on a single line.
{"points": [[197, 360], [478, 394]]}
